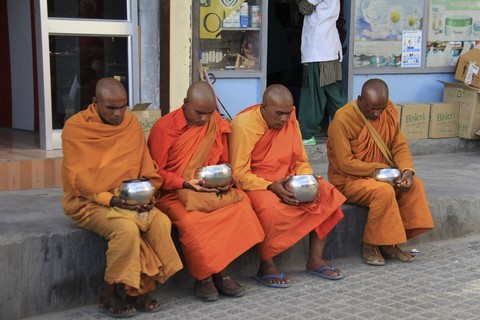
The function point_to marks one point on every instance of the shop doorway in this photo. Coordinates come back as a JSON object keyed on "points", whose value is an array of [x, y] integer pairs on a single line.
{"points": [[284, 64]]}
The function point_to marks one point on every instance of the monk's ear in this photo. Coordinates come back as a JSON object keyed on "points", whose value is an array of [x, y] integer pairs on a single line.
{"points": [[95, 100]]}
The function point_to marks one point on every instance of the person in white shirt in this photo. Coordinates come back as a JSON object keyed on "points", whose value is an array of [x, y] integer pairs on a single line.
{"points": [[321, 50]]}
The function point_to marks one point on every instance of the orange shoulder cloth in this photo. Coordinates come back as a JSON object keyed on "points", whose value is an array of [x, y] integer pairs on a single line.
{"points": [[97, 157]]}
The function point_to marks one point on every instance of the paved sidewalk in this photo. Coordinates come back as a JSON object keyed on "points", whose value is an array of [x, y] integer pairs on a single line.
{"points": [[443, 283]]}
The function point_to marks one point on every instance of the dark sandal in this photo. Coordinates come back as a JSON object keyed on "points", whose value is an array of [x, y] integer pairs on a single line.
{"points": [[117, 308], [372, 256], [395, 253], [227, 286], [144, 302], [205, 289]]}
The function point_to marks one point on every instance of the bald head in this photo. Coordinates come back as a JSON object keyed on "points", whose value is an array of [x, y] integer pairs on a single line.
{"points": [[373, 99], [110, 100], [199, 104], [277, 106], [108, 87], [200, 90], [277, 93]]}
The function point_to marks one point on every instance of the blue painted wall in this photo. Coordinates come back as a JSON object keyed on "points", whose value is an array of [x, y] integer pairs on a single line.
{"points": [[238, 93], [408, 87]]}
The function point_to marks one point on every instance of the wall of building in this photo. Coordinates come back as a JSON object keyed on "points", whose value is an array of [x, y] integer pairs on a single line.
{"points": [[21, 64], [180, 51], [149, 52], [408, 87]]}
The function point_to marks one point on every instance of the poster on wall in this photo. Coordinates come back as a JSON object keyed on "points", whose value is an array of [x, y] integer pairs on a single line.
{"points": [[411, 49], [218, 14], [453, 29], [379, 27]]}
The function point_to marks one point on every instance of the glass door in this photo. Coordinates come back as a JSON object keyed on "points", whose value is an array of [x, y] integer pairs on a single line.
{"points": [[81, 42]]}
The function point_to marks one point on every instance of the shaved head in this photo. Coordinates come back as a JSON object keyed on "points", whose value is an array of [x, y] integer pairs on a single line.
{"points": [[375, 88], [277, 105], [110, 100], [199, 104], [373, 99], [109, 86], [276, 93]]}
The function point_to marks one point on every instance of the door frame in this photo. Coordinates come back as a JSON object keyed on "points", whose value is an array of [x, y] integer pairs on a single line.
{"points": [[44, 26]]}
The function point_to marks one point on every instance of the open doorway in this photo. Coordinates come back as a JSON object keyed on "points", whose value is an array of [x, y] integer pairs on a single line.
{"points": [[284, 64]]}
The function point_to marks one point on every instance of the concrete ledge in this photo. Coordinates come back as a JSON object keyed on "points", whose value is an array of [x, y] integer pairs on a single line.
{"points": [[48, 264]]}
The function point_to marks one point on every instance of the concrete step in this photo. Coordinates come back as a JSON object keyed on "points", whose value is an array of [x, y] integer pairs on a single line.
{"points": [[47, 264], [318, 152]]}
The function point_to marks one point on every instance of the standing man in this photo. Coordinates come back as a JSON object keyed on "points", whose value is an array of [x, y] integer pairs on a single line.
{"points": [[322, 69], [363, 136], [102, 146], [266, 149], [215, 225]]}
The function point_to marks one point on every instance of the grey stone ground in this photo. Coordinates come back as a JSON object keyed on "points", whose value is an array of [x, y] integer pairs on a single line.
{"points": [[442, 283]]}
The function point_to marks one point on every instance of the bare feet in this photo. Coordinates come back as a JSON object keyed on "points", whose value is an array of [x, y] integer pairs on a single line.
{"points": [[267, 267], [322, 266], [111, 303]]}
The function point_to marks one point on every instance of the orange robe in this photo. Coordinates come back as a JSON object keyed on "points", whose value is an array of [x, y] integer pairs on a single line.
{"points": [[394, 215], [97, 157], [210, 240], [259, 157]]}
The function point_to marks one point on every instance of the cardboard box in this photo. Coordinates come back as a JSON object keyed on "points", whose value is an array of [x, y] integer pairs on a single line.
{"points": [[146, 117], [443, 120], [469, 111], [467, 68], [414, 120]]}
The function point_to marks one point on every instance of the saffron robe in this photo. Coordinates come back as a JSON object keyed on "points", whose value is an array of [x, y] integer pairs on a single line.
{"points": [[97, 157], [394, 215], [260, 156], [210, 240]]}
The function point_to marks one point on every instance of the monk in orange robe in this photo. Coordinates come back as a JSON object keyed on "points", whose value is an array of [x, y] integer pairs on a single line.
{"points": [[102, 146], [266, 149], [397, 212], [216, 225]]}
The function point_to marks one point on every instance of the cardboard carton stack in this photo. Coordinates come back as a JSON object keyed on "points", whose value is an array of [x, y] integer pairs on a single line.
{"points": [[146, 117], [414, 120], [443, 120], [468, 99]]}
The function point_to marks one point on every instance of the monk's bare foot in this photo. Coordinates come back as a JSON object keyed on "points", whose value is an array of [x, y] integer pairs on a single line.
{"points": [[322, 266], [267, 268]]}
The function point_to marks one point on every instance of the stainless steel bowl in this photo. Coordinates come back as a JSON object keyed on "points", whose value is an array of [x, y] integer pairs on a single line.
{"points": [[137, 191], [219, 175], [387, 174], [304, 186]]}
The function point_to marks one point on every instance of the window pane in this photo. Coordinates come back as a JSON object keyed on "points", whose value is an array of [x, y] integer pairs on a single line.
{"points": [[89, 9], [76, 64]]}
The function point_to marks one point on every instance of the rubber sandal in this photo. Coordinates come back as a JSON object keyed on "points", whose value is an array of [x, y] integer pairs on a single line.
{"points": [[372, 256], [114, 306], [318, 272], [263, 280]]}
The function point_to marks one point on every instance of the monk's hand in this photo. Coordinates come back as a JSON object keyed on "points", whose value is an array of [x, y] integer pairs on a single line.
{"points": [[405, 182], [230, 184], [197, 185], [286, 196], [146, 207], [122, 204]]}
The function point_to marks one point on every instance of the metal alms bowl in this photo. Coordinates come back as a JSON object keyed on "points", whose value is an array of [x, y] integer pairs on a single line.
{"points": [[304, 186], [219, 175], [386, 174], [137, 191]]}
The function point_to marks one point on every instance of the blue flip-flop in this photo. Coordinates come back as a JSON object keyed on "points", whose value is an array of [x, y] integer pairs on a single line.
{"points": [[318, 272], [262, 280]]}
